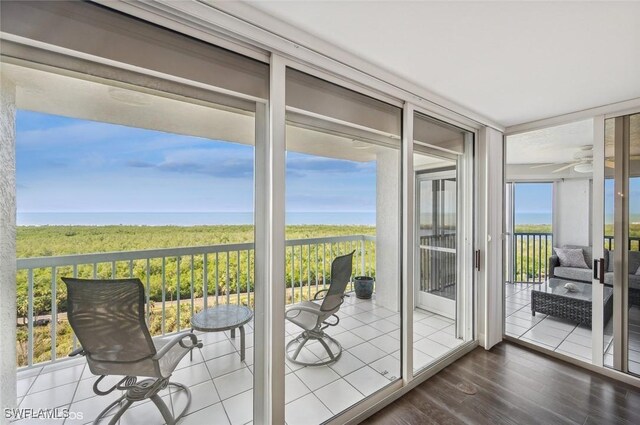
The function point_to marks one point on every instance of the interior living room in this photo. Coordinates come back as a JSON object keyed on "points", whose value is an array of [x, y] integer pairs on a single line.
{"points": [[555, 166], [319, 212]]}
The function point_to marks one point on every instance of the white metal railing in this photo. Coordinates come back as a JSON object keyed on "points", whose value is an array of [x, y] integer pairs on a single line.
{"points": [[172, 277]]}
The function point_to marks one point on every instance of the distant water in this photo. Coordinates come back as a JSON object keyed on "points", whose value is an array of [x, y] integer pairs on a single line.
{"points": [[186, 218], [534, 218]]}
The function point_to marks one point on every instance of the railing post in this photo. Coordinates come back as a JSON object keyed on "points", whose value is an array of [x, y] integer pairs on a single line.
{"points": [[217, 287], [238, 276], [191, 288], [178, 293], [30, 316], [227, 277], [54, 314], [148, 295], [362, 254], [324, 265], [249, 278], [309, 270], [75, 339], [164, 294], [205, 277]]}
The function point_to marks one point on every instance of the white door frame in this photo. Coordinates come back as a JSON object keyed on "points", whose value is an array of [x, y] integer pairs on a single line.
{"points": [[597, 230]]}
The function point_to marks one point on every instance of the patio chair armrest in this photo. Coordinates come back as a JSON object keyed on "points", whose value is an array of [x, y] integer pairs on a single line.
{"points": [[77, 351], [299, 309], [315, 297], [327, 323], [178, 339]]}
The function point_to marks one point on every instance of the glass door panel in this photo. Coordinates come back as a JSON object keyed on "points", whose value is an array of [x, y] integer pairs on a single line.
{"points": [[620, 269], [550, 191], [609, 200], [437, 241], [343, 282], [443, 266]]}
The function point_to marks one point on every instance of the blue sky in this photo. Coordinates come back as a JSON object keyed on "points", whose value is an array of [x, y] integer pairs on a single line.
{"points": [[534, 198], [71, 165], [634, 199]]}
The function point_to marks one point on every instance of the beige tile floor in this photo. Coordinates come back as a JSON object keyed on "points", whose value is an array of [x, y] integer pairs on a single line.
{"points": [[560, 335], [222, 385]]}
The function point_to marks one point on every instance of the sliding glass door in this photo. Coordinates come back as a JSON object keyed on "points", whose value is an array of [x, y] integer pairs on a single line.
{"points": [[443, 233], [617, 269]]}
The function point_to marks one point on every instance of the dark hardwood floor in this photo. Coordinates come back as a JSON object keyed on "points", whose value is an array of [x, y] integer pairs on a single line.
{"points": [[514, 386]]}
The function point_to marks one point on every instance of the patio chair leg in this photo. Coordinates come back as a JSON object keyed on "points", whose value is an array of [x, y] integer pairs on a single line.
{"points": [[295, 355], [164, 410], [108, 408], [186, 407], [117, 416], [326, 347]]}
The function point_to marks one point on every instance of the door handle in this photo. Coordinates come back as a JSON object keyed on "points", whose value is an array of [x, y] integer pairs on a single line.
{"points": [[595, 268], [601, 264], [477, 260]]}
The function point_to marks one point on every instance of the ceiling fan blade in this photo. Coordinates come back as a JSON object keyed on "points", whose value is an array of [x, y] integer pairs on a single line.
{"points": [[545, 165], [573, 164]]}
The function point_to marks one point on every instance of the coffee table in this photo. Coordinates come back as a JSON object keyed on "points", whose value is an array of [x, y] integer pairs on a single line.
{"points": [[223, 318], [554, 299]]}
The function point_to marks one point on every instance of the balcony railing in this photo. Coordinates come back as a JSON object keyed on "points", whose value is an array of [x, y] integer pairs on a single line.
{"points": [[438, 265], [634, 243], [176, 281], [531, 252]]}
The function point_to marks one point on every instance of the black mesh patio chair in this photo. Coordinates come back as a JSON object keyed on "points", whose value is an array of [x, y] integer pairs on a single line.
{"points": [[314, 318], [108, 319]]}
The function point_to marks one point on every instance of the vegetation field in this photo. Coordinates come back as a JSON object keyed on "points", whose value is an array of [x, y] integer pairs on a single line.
{"points": [[232, 271]]}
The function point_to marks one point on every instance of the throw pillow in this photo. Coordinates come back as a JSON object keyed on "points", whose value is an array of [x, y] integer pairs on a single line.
{"points": [[571, 257], [638, 271]]}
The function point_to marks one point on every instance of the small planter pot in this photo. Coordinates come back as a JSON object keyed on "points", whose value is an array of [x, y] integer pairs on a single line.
{"points": [[363, 287]]}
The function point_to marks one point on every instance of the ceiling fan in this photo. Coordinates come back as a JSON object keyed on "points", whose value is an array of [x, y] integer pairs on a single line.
{"points": [[582, 162]]}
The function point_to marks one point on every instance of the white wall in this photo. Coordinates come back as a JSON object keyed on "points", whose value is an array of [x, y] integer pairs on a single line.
{"points": [[7, 247], [387, 229], [572, 207]]}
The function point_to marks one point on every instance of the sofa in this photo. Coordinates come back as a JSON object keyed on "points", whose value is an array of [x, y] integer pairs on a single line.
{"points": [[586, 275], [574, 273]]}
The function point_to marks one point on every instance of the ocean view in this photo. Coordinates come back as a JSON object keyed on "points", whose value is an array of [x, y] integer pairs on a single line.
{"points": [[214, 218], [186, 218]]}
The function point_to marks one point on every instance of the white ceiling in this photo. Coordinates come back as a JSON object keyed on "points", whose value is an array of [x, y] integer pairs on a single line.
{"points": [[513, 62], [550, 145]]}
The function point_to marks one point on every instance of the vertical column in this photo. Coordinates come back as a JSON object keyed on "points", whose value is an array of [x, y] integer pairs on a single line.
{"points": [[489, 237], [387, 225], [7, 244], [408, 245], [269, 368]]}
